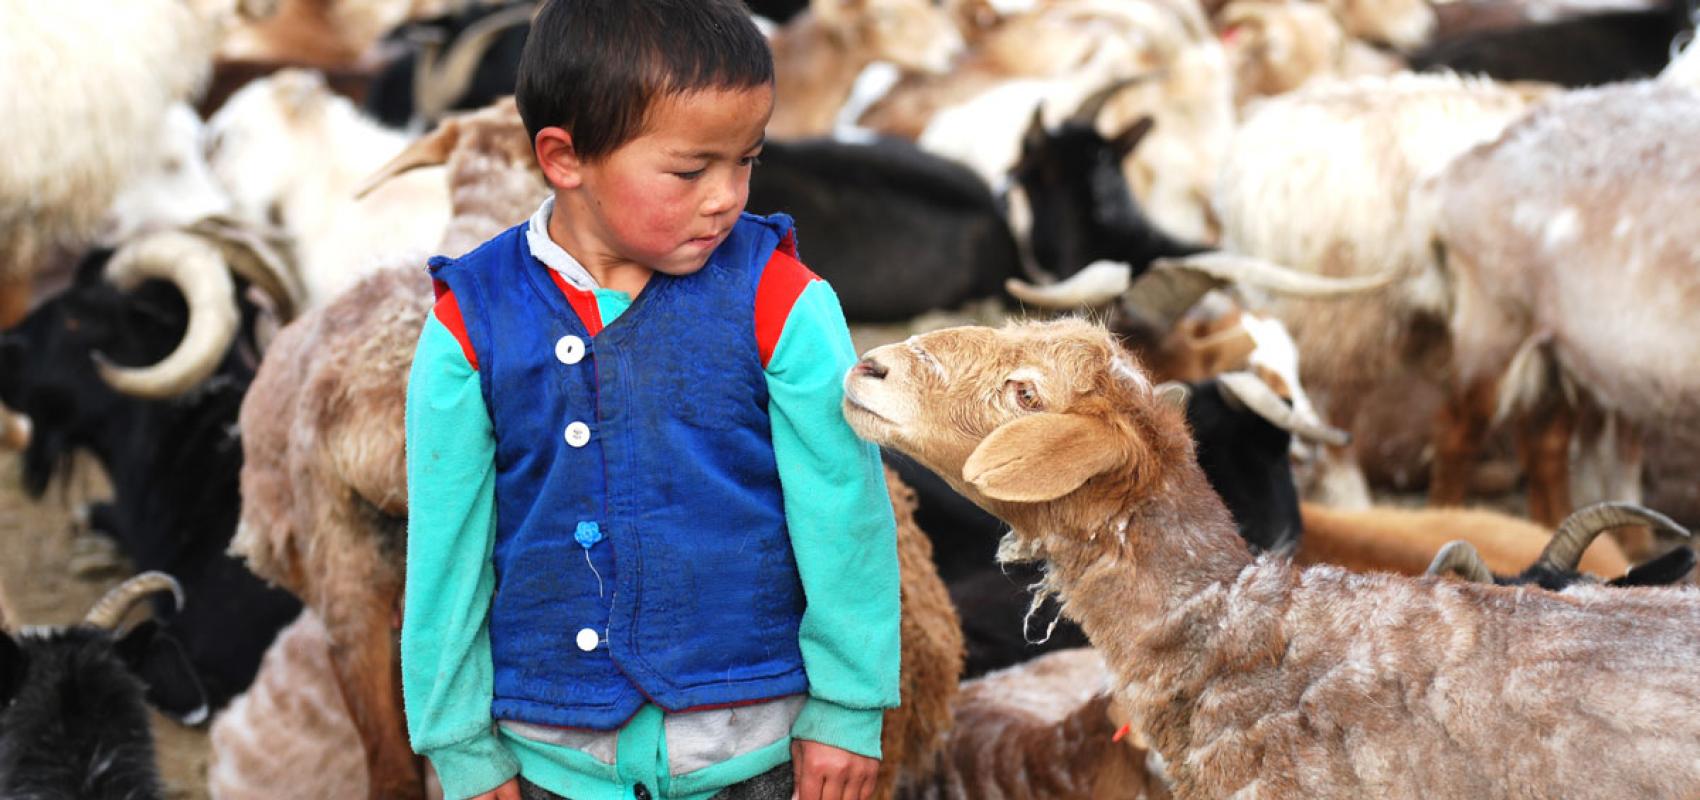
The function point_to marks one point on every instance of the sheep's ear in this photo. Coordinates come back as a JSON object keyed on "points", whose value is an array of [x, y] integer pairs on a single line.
{"points": [[173, 687], [1041, 457], [432, 149]]}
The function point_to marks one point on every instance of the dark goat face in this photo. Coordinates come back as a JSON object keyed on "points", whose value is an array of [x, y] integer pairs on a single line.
{"points": [[1082, 208], [47, 362]]}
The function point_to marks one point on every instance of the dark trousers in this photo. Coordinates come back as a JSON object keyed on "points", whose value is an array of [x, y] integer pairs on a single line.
{"points": [[774, 784]]}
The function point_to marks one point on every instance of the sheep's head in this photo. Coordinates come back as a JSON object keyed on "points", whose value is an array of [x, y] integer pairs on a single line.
{"points": [[1040, 423]]}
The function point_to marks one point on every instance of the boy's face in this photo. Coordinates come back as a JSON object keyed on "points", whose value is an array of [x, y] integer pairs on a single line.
{"points": [[667, 198]]}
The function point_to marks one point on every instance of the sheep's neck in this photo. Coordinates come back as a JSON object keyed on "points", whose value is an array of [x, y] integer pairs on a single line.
{"points": [[1150, 594]]}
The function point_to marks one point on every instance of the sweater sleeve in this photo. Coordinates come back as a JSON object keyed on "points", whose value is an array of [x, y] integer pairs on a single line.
{"points": [[447, 678], [841, 524]]}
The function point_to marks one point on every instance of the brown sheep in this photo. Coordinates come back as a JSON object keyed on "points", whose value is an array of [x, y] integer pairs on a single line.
{"points": [[1257, 677], [1042, 729]]}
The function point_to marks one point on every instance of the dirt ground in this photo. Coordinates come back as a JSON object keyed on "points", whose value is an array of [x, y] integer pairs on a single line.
{"points": [[39, 543]]}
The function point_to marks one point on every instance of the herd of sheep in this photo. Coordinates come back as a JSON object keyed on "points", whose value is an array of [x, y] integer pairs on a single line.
{"points": [[1301, 254]]}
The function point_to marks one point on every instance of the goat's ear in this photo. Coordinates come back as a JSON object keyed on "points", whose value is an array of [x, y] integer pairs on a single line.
{"points": [[1125, 141], [1033, 140], [1041, 457], [1174, 394], [173, 687], [12, 665]]}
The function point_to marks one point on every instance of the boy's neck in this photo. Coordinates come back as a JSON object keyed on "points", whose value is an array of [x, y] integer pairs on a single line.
{"points": [[623, 276]]}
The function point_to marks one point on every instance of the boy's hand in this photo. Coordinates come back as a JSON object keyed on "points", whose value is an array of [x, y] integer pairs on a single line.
{"points": [[507, 791], [825, 772]]}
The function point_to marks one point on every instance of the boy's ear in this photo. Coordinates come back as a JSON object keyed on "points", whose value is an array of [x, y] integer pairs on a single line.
{"points": [[1042, 457], [558, 158]]}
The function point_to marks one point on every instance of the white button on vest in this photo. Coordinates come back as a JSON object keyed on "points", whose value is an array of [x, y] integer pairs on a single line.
{"points": [[569, 349], [588, 640], [578, 434]]}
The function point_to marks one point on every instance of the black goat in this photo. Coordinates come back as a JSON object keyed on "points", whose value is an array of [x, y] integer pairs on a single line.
{"points": [[896, 231], [1586, 50], [173, 463], [457, 62], [1556, 568], [72, 721], [1082, 208]]}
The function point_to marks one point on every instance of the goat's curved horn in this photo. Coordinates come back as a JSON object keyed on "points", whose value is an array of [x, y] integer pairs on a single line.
{"points": [[111, 608], [1098, 283], [430, 150], [258, 257], [1251, 392], [197, 268], [436, 88], [1236, 268], [1089, 109], [1461, 559], [1579, 529]]}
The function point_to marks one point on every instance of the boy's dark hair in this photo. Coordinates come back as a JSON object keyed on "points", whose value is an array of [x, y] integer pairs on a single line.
{"points": [[594, 67]]}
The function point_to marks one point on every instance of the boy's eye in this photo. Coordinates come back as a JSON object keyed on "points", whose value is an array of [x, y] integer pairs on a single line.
{"points": [[692, 175], [749, 161]]}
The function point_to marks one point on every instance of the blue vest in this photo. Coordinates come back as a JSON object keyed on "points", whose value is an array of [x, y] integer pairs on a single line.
{"points": [[641, 550]]}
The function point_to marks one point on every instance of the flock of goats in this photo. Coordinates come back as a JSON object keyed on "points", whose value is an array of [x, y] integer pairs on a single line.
{"points": [[1294, 248]]}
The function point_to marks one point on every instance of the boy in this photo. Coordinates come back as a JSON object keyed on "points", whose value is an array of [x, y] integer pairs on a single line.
{"points": [[646, 556]]}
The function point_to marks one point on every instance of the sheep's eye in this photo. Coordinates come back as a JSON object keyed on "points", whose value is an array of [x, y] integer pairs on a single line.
{"points": [[1023, 395]]}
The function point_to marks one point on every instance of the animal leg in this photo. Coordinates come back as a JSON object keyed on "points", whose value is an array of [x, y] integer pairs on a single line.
{"points": [[1543, 442], [1458, 432], [364, 653]]}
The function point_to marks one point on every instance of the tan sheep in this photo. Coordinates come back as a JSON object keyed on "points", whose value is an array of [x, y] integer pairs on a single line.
{"points": [[1255, 677]]}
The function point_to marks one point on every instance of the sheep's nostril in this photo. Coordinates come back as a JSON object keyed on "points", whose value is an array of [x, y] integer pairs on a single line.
{"points": [[872, 369]]}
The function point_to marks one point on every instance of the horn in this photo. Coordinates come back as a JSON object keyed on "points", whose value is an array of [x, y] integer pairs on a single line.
{"points": [[1087, 112], [435, 88], [1098, 283], [198, 270], [1461, 559], [258, 257], [1236, 268], [111, 608], [1251, 392], [1161, 297], [430, 150], [1578, 530], [14, 430]]}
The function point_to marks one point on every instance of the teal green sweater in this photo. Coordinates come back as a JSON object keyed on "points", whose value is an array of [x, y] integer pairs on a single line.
{"points": [[842, 533]]}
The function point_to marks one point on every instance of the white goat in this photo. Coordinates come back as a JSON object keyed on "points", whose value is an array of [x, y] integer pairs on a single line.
{"points": [[87, 81], [293, 154], [1320, 179]]}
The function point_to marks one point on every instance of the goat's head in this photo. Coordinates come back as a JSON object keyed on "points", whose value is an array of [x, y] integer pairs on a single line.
{"points": [[1081, 206], [110, 668], [913, 34], [257, 140], [1557, 567], [1022, 417]]}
